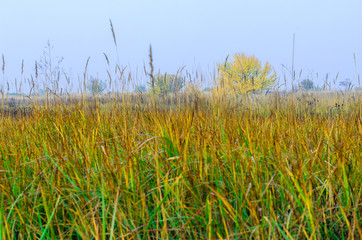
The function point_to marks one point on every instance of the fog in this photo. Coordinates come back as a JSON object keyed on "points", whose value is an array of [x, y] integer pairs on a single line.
{"points": [[194, 34]]}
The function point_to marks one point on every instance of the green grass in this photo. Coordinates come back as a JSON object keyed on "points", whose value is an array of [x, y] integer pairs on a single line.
{"points": [[184, 167]]}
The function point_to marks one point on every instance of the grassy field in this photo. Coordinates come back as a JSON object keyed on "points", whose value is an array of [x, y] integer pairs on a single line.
{"points": [[183, 167]]}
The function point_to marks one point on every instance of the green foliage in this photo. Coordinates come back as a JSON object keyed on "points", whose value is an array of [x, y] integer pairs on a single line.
{"points": [[207, 89], [140, 88], [96, 86], [167, 83], [307, 84]]}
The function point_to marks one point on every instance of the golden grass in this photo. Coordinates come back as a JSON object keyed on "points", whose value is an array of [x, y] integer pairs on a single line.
{"points": [[183, 167]]}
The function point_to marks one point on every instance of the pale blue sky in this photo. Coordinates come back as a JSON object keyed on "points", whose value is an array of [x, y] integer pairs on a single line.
{"points": [[194, 33]]}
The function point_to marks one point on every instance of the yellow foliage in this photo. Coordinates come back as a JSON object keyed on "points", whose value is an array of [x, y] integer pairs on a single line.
{"points": [[244, 75]]}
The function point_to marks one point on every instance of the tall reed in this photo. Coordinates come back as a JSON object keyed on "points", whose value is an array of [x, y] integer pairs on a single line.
{"points": [[183, 167]]}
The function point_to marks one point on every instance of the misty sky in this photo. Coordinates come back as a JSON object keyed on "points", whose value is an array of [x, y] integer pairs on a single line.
{"points": [[194, 33]]}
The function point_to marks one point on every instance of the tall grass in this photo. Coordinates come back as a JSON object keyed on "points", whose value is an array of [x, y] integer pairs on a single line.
{"points": [[183, 167]]}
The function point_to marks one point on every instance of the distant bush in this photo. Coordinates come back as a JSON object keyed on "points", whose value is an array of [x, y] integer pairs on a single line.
{"points": [[95, 85], [207, 89], [167, 83], [307, 84], [346, 84], [140, 88], [245, 74]]}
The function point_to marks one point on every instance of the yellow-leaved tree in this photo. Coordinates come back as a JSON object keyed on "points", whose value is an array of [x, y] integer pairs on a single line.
{"points": [[245, 75]]}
